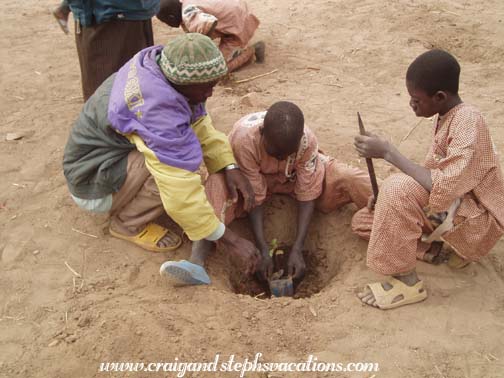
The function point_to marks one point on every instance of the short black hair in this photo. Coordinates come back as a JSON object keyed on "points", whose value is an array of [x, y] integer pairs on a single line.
{"points": [[433, 71], [284, 123], [169, 8]]}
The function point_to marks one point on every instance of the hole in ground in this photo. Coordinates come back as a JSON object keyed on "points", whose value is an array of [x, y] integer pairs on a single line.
{"points": [[329, 244], [252, 286]]}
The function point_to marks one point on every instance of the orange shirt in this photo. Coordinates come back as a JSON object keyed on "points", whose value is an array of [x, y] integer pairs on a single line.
{"points": [[463, 160], [301, 174], [233, 18]]}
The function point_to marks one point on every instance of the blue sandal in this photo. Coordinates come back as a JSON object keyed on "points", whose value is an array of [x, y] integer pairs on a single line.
{"points": [[183, 272]]}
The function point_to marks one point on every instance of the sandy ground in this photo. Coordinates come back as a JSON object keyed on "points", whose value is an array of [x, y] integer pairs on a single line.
{"points": [[333, 58]]}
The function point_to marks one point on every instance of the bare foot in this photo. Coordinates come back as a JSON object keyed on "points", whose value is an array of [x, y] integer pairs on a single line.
{"points": [[167, 241], [61, 14], [435, 254], [260, 51]]}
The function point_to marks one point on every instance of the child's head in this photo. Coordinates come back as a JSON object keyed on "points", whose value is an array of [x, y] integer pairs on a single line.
{"points": [[433, 82], [170, 12], [282, 130]]}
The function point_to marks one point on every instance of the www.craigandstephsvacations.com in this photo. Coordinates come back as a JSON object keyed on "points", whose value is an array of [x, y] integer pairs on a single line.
{"points": [[241, 366]]}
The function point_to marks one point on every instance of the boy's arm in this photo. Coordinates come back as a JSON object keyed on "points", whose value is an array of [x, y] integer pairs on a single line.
{"points": [[421, 174], [305, 212], [256, 219], [197, 21], [373, 146], [457, 173], [248, 159], [310, 172], [296, 264]]}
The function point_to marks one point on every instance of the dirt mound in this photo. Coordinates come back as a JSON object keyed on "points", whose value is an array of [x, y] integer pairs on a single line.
{"points": [[72, 297]]}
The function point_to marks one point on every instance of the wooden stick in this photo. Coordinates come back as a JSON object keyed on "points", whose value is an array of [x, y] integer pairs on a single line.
{"points": [[333, 85], [369, 161], [72, 270], [255, 77], [83, 233]]}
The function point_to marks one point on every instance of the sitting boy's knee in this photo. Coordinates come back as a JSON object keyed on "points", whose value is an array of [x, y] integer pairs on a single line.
{"points": [[216, 180], [215, 185], [399, 185], [362, 222]]}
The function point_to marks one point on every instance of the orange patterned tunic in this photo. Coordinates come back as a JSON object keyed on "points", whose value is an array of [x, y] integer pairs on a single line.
{"points": [[464, 165]]}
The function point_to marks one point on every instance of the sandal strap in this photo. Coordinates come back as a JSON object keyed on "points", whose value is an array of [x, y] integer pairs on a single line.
{"points": [[385, 298], [153, 233]]}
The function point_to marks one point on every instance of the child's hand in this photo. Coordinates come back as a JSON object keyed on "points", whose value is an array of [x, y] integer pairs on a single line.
{"points": [[372, 146], [371, 203], [265, 266], [296, 264]]}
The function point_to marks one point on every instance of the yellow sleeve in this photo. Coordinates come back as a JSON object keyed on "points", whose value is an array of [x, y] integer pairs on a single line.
{"points": [[217, 152], [182, 194]]}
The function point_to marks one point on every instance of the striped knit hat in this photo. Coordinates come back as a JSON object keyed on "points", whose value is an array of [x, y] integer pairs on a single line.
{"points": [[192, 58]]}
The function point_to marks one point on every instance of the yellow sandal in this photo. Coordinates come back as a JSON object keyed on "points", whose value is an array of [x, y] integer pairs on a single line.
{"points": [[149, 237]]}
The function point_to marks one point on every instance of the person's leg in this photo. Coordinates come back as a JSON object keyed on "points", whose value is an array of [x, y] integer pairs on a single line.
{"points": [[104, 48], [343, 184], [236, 56], [192, 272], [399, 221], [362, 223], [138, 203], [61, 14], [218, 196]]}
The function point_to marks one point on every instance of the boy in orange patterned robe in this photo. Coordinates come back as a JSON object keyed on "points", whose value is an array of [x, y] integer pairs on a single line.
{"points": [[231, 21], [279, 154], [460, 184]]}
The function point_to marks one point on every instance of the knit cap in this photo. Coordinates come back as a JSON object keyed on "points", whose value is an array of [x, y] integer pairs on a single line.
{"points": [[192, 58]]}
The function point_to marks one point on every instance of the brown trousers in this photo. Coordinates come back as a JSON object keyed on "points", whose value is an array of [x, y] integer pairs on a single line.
{"points": [[138, 202], [106, 47]]}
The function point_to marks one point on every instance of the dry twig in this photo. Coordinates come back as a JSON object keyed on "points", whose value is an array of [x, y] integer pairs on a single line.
{"points": [[411, 130], [255, 77], [72, 270], [83, 233]]}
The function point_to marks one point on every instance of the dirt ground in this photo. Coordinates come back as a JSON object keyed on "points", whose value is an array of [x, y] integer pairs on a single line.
{"points": [[334, 58]]}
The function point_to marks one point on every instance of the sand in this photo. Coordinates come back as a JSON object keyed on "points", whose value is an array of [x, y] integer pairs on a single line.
{"points": [[334, 58]]}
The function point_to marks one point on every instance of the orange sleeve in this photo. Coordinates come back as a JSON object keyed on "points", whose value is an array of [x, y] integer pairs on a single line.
{"points": [[248, 158], [309, 170]]}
